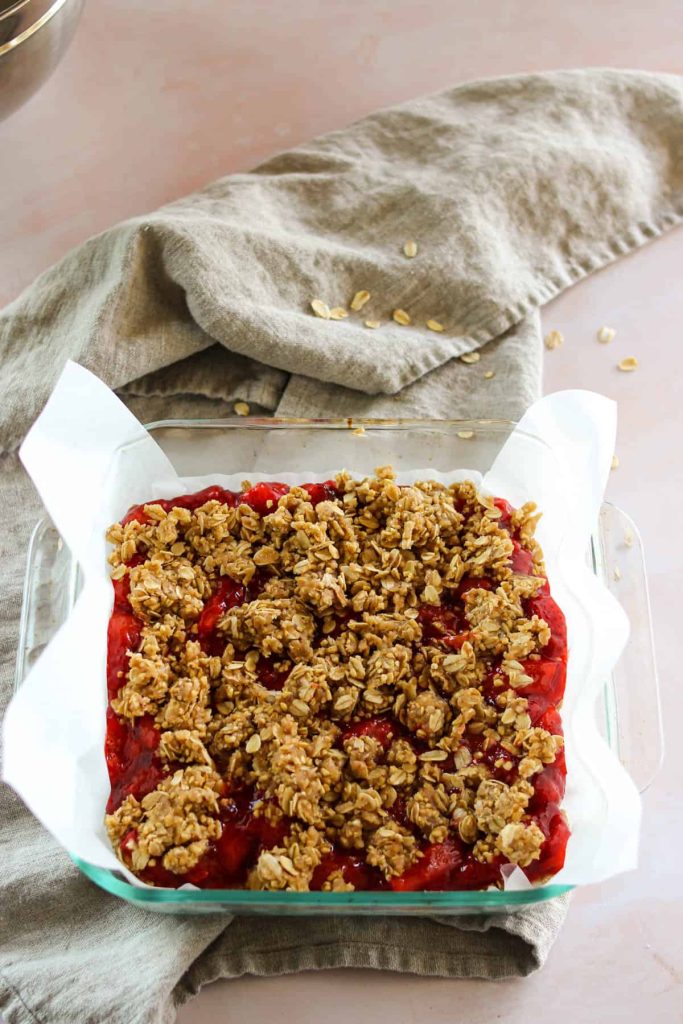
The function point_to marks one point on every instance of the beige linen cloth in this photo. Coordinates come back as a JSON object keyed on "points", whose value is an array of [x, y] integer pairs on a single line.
{"points": [[513, 189]]}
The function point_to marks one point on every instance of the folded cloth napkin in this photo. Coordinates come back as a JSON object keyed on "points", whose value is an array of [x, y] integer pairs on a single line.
{"points": [[512, 190]]}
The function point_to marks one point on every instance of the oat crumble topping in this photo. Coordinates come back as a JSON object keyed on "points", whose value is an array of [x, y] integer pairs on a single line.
{"points": [[356, 660]]}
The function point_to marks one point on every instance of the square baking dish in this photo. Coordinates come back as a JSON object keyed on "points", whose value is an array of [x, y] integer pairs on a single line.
{"points": [[627, 711]]}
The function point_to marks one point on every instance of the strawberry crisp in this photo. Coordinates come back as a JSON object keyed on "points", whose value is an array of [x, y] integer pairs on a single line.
{"points": [[338, 686]]}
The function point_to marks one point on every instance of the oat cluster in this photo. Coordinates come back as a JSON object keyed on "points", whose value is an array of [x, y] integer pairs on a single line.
{"points": [[339, 588]]}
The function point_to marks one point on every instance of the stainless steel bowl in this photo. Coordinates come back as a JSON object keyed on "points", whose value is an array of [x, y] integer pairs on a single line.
{"points": [[33, 37]]}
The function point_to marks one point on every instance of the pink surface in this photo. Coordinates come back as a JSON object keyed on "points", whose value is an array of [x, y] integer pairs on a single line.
{"points": [[155, 99]]}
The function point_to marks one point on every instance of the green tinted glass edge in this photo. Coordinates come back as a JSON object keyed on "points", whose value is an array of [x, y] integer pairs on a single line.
{"points": [[244, 899]]}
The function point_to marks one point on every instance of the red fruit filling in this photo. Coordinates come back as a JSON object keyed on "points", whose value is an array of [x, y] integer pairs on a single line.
{"points": [[352, 869], [227, 595], [322, 492], [435, 869], [263, 498], [381, 729]]}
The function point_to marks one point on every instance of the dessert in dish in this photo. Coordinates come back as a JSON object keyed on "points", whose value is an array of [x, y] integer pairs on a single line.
{"points": [[342, 685]]}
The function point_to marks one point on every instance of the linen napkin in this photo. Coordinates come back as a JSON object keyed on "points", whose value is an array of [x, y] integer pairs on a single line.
{"points": [[511, 189]]}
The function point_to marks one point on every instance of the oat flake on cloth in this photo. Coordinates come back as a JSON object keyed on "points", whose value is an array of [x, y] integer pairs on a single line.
{"points": [[513, 188]]}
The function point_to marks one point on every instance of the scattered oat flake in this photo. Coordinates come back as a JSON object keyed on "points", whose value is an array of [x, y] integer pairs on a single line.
{"points": [[401, 317], [434, 325], [359, 300], [629, 539], [615, 462], [489, 374], [617, 572], [359, 431], [338, 313], [372, 323], [320, 309], [241, 408], [628, 365], [410, 249], [553, 340], [605, 335], [470, 357], [465, 434]]}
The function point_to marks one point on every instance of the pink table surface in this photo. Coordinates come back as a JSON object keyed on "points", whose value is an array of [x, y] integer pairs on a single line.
{"points": [[158, 98]]}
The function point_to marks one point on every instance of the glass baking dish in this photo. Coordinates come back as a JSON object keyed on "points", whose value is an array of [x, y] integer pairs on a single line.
{"points": [[627, 712]]}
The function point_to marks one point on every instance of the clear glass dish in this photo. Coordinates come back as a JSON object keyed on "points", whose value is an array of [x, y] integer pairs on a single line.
{"points": [[628, 709]]}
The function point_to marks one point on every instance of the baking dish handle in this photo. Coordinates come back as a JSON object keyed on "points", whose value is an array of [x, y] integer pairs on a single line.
{"points": [[636, 688]]}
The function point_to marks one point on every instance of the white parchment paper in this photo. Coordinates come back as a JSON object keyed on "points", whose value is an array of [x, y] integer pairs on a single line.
{"points": [[78, 454]]}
